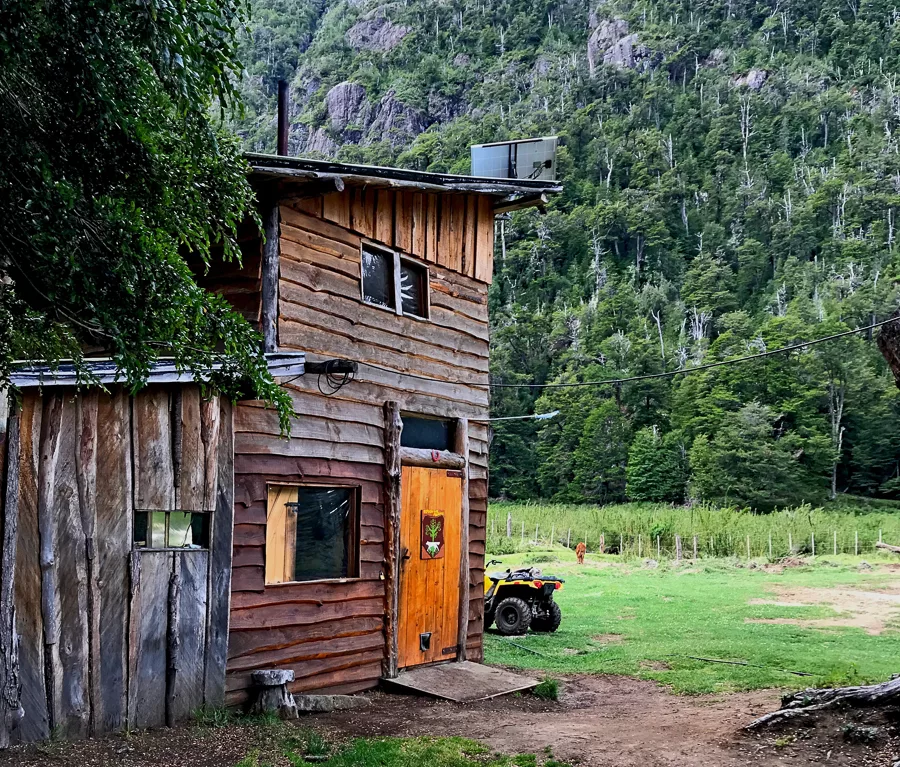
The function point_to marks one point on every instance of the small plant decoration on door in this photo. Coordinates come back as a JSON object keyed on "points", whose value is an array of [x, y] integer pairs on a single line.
{"points": [[432, 534]]}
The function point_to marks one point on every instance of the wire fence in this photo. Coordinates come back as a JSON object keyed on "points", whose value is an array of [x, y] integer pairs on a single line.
{"points": [[811, 536]]}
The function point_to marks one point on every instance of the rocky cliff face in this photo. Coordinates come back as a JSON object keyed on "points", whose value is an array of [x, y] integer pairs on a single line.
{"points": [[376, 32], [611, 43]]}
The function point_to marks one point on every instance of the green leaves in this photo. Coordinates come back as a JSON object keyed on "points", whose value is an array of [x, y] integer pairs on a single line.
{"points": [[111, 173]]}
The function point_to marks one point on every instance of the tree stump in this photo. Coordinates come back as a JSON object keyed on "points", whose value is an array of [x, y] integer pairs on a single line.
{"points": [[271, 693]]}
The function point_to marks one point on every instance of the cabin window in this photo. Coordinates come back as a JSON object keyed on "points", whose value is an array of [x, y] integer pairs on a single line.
{"points": [[427, 433], [171, 529], [312, 533], [394, 283], [378, 278]]}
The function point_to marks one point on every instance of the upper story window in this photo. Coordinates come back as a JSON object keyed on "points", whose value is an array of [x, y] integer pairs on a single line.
{"points": [[394, 283]]}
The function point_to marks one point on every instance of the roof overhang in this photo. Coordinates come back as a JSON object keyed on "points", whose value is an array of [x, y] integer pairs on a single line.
{"points": [[325, 177], [31, 374]]}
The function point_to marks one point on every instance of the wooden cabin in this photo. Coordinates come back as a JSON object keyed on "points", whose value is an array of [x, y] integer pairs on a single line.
{"points": [[386, 270], [157, 548]]}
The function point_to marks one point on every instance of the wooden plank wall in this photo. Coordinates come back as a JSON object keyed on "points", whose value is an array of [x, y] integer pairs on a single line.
{"points": [[455, 231], [94, 616], [340, 438]]}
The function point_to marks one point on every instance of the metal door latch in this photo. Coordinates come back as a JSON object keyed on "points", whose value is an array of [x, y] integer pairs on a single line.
{"points": [[425, 641]]}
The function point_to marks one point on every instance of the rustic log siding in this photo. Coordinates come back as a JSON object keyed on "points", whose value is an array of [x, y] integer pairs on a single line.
{"points": [[99, 649], [332, 633]]}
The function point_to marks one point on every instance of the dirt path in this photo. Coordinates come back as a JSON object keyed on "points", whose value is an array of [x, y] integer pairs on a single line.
{"points": [[606, 721], [600, 721]]}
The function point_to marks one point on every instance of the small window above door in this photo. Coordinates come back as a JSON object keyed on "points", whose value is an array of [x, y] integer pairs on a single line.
{"points": [[427, 433], [394, 283]]}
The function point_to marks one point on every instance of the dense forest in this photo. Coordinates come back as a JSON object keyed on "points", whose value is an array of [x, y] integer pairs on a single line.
{"points": [[732, 183]]}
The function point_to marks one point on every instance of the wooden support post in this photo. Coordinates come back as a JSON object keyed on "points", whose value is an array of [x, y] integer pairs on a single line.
{"points": [[790, 543], [856, 542], [677, 548], [536, 533], [392, 428], [812, 538], [658, 548], [569, 539], [523, 533], [835, 543], [748, 547], [509, 524], [552, 535], [695, 547], [10, 711], [640, 547], [621, 544], [271, 257], [770, 544], [462, 447]]}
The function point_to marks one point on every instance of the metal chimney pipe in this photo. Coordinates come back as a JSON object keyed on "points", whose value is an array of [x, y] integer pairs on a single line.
{"points": [[284, 108]]}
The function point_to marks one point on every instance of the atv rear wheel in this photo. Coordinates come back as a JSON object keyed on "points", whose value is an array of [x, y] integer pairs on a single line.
{"points": [[512, 616], [550, 622]]}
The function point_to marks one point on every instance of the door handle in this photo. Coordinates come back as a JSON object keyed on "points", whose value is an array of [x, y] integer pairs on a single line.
{"points": [[406, 555]]}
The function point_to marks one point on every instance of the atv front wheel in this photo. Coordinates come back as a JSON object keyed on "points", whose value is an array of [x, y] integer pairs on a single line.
{"points": [[512, 616], [550, 622]]}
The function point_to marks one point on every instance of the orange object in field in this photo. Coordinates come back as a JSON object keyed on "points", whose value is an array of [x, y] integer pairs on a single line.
{"points": [[580, 551]]}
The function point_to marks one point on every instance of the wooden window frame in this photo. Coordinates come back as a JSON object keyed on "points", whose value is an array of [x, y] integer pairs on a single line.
{"points": [[353, 555], [398, 259], [168, 512]]}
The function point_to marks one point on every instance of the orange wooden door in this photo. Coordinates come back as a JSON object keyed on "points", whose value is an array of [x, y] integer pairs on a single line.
{"points": [[429, 565]]}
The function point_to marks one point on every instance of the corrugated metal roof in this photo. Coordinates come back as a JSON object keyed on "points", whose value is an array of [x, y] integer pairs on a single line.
{"points": [[373, 175], [27, 374]]}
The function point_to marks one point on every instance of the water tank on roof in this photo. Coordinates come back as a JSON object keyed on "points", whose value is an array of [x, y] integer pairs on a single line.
{"points": [[533, 158]]}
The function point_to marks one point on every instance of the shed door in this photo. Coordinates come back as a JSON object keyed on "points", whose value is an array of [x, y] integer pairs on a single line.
{"points": [[429, 565]]}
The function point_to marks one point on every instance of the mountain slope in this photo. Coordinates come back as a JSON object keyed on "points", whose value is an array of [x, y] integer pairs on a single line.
{"points": [[732, 184]]}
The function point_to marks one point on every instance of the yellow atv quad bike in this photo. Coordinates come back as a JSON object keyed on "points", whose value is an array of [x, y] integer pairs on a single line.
{"points": [[516, 600]]}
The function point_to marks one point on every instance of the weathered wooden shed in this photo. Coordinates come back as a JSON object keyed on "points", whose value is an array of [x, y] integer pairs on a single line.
{"points": [[388, 270], [115, 556]]}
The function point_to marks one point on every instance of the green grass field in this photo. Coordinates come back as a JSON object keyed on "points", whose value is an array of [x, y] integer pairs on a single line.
{"points": [[619, 618]]}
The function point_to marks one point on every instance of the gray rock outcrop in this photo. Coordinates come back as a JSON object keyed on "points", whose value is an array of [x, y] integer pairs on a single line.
{"points": [[376, 33], [754, 79], [613, 45]]}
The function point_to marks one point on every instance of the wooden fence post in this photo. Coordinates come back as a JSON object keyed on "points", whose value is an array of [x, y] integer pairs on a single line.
{"points": [[677, 548], [770, 544], [621, 544], [856, 542], [835, 542], [812, 538], [695, 547], [748, 547], [640, 548], [658, 549], [523, 532], [790, 543], [393, 427], [552, 535], [536, 533], [569, 539], [509, 524]]}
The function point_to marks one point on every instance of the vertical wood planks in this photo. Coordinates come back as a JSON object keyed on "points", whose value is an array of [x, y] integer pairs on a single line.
{"points": [[190, 479], [35, 724], [470, 236], [462, 447], [149, 638], [384, 217], [484, 245], [403, 222], [113, 544], [419, 224], [336, 208], [154, 487], [9, 503], [219, 599], [102, 626], [187, 690]]}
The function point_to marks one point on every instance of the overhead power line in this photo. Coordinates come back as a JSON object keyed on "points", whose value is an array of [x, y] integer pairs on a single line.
{"points": [[708, 366], [646, 377]]}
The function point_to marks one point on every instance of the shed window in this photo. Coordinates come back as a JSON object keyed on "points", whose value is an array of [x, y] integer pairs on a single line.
{"points": [[312, 533], [394, 283], [171, 529]]}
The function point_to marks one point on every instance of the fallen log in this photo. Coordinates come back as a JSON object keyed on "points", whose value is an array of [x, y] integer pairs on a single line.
{"points": [[801, 704], [888, 547]]}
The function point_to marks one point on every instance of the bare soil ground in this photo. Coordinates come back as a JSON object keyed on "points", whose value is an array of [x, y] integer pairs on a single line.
{"points": [[600, 721], [871, 609]]}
